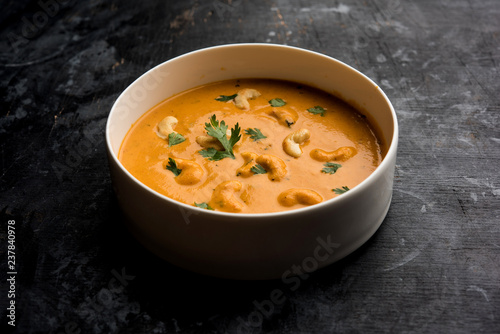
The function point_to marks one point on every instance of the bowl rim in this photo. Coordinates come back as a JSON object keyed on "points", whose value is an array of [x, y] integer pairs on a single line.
{"points": [[392, 146]]}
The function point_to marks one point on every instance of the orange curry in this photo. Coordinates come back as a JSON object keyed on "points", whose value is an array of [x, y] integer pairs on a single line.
{"points": [[251, 146]]}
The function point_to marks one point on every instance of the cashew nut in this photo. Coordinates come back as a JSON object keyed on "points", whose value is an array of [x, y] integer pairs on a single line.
{"points": [[166, 126], [191, 172], [284, 116], [275, 167], [209, 142], [247, 195], [212, 142], [241, 100], [340, 154], [223, 197], [292, 142], [294, 196], [246, 169]]}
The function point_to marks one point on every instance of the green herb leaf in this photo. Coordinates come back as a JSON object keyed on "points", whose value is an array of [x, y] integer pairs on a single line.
{"points": [[258, 169], [330, 168], [203, 205], [225, 98], [213, 155], [235, 136], [208, 152], [172, 166], [255, 134], [277, 102], [340, 191], [317, 110], [175, 138], [218, 130]]}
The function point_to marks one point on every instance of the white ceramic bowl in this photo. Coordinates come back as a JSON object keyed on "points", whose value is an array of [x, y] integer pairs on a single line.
{"points": [[253, 246]]}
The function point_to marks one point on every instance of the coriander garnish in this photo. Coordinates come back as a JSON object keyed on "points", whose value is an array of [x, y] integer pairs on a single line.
{"points": [[317, 110], [172, 166], [175, 138], [203, 205], [258, 169], [225, 98], [277, 102], [340, 191], [330, 168], [218, 130], [255, 134]]}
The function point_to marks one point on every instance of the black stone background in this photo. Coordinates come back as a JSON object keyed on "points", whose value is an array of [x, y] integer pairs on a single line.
{"points": [[433, 266]]}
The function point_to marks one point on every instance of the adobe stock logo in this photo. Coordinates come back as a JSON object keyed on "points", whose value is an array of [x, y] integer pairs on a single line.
{"points": [[32, 24], [293, 278], [186, 214]]}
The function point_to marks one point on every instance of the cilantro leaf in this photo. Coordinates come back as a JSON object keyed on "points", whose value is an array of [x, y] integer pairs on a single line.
{"points": [[203, 205], [330, 168], [218, 130], [225, 98], [208, 152], [317, 110], [172, 166], [235, 136], [277, 102], [255, 134], [341, 190], [258, 169], [175, 138], [213, 155]]}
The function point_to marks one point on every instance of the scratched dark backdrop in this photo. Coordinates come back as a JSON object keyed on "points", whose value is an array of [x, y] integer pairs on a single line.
{"points": [[432, 267]]}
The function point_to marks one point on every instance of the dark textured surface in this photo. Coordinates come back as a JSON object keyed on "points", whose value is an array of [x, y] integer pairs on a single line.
{"points": [[434, 265]]}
